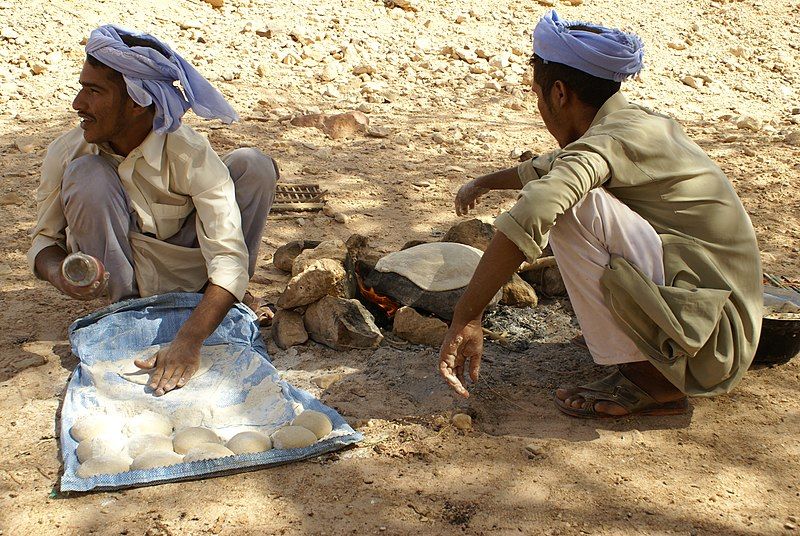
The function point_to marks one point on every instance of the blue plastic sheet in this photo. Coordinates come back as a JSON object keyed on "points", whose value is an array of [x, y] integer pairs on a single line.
{"points": [[128, 329]]}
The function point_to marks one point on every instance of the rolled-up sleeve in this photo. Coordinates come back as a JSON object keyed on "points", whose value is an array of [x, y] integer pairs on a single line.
{"points": [[50, 221], [219, 223], [536, 167], [576, 170]]}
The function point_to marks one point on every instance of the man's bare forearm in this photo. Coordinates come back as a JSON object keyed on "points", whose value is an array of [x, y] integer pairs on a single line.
{"points": [[48, 264], [499, 262], [507, 179], [206, 316]]}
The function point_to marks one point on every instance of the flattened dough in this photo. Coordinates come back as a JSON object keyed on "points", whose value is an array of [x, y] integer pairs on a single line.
{"points": [[128, 371], [207, 451], [249, 442], [189, 438], [293, 437], [140, 444], [148, 423], [103, 465], [437, 267], [316, 421], [94, 425], [155, 458]]}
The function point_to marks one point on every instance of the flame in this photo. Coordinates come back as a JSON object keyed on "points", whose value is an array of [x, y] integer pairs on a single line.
{"points": [[386, 304]]}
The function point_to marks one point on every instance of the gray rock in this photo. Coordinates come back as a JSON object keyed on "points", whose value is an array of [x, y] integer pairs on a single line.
{"points": [[341, 324], [472, 232], [419, 329], [284, 256], [331, 249], [324, 277], [288, 329]]}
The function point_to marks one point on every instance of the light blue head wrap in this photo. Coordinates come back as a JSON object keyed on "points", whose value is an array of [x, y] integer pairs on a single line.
{"points": [[150, 77], [610, 54]]}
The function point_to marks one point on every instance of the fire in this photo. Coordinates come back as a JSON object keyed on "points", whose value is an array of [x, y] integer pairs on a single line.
{"points": [[386, 304]]}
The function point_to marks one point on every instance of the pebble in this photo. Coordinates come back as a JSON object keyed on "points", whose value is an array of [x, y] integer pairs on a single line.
{"points": [[215, 3], [793, 138], [38, 68], [190, 24], [677, 45], [789, 526], [378, 132], [326, 380], [462, 421], [11, 198], [329, 72], [747, 122], [9, 33], [691, 81], [534, 450], [25, 146]]}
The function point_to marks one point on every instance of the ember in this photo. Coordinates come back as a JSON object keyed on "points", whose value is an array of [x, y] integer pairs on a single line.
{"points": [[386, 304]]}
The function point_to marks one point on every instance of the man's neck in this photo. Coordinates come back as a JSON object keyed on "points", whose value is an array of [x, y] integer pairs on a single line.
{"points": [[131, 138]]}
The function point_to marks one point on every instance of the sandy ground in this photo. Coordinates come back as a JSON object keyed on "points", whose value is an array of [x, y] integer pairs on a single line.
{"points": [[730, 467]]}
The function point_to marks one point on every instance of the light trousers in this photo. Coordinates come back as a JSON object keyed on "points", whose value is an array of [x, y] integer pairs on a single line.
{"points": [[583, 240]]}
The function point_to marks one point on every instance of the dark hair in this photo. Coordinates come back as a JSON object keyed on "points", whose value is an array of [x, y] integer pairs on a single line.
{"points": [[590, 89]]}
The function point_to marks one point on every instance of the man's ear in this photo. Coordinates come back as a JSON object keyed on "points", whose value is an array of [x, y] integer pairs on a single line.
{"points": [[137, 110], [560, 94]]}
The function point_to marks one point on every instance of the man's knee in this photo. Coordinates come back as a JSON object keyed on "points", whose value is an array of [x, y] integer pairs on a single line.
{"points": [[257, 167], [90, 175]]}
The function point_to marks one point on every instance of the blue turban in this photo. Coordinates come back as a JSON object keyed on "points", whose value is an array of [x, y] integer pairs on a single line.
{"points": [[150, 78], [610, 54]]}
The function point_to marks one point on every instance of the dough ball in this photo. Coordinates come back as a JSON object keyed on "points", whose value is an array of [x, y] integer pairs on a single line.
{"points": [[316, 421], [148, 423], [100, 446], [103, 465], [183, 418], [293, 437], [249, 442], [138, 445], [207, 451], [156, 458], [94, 425], [189, 438]]}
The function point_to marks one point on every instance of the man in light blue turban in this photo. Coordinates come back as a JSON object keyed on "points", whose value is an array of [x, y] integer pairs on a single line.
{"points": [[657, 253], [148, 197]]}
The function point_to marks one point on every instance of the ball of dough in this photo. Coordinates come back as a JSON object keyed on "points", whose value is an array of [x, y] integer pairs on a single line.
{"points": [[138, 445], [103, 465], [189, 438], [148, 423], [94, 425], [100, 446], [183, 418], [317, 422], [207, 451], [156, 458], [293, 437], [249, 442]]}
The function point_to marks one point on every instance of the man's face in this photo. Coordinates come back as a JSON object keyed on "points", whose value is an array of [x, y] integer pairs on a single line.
{"points": [[102, 104]]}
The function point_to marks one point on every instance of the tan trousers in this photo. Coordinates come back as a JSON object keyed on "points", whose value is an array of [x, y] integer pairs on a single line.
{"points": [[583, 240]]}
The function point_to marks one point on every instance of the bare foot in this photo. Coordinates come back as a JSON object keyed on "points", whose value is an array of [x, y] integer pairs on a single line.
{"points": [[643, 374]]}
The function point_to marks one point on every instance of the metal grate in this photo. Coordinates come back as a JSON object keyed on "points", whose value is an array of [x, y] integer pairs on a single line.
{"points": [[298, 198], [782, 282]]}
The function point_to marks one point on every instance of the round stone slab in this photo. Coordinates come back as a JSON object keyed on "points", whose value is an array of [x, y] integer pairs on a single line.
{"points": [[434, 267]]}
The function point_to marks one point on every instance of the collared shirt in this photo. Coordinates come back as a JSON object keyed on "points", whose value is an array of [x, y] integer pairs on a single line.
{"points": [[701, 328], [166, 178]]}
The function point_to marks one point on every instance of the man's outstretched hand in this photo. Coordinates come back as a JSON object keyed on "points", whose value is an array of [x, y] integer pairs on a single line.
{"points": [[172, 366], [462, 347], [467, 197]]}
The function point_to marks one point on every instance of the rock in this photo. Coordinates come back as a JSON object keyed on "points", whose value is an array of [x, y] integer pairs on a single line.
{"points": [[264, 32], [466, 55], [341, 324], [472, 232], [405, 5], [345, 125], [793, 138], [501, 61], [378, 132], [190, 24], [330, 72], [418, 329], [262, 69], [326, 380], [25, 145], [547, 279], [747, 122], [324, 277], [288, 329], [462, 421], [38, 68], [519, 293], [11, 198], [9, 33], [677, 45], [215, 3], [364, 69], [284, 256], [691, 81], [534, 451], [330, 249], [308, 120]]}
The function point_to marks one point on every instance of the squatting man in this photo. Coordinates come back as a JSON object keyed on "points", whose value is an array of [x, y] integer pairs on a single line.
{"points": [[148, 196], [657, 253]]}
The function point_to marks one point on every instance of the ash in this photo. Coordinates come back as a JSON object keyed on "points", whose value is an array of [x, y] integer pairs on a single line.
{"points": [[520, 328]]}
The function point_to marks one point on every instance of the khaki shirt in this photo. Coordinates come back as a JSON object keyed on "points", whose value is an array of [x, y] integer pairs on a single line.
{"points": [[701, 328], [167, 178]]}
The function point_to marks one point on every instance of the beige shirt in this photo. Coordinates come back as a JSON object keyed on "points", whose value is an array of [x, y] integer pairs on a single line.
{"points": [[701, 328], [166, 178]]}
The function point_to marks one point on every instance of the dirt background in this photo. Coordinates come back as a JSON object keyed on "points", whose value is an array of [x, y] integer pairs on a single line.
{"points": [[730, 467]]}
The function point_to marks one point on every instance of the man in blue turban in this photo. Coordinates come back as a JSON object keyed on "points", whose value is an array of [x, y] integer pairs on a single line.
{"points": [[147, 196], [655, 248]]}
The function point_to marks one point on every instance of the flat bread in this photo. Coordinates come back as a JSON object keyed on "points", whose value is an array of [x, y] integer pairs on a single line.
{"points": [[436, 267]]}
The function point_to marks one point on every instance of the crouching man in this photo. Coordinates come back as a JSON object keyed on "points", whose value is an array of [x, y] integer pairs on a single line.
{"points": [[656, 250], [148, 196]]}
